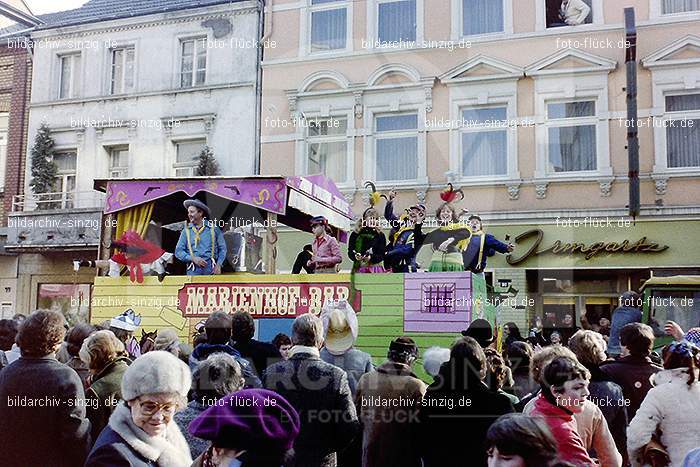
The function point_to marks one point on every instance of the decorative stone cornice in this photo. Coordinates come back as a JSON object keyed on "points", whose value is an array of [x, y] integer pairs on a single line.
{"points": [[513, 191], [661, 185], [541, 190]]}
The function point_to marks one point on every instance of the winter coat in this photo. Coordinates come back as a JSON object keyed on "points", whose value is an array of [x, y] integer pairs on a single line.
{"points": [[104, 394], [455, 415], [672, 407], [562, 425], [53, 431], [355, 362], [259, 354], [633, 374], [390, 433], [320, 393], [202, 351], [81, 368], [594, 432], [123, 444], [183, 419], [609, 398], [621, 316]]}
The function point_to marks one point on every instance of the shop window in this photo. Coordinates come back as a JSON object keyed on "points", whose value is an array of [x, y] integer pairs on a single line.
{"points": [[571, 136], [72, 300], [568, 12], [327, 148], [484, 142], [329, 25], [396, 20], [683, 136], [669, 7], [396, 147]]}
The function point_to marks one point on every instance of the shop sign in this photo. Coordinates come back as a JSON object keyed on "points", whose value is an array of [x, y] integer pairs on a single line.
{"points": [[588, 251], [262, 300]]}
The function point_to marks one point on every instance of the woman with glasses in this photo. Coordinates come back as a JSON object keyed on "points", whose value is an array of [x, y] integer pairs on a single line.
{"points": [[141, 431]]}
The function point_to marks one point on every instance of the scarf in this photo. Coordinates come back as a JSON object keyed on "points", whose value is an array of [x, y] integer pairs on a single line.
{"points": [[198, 233], [169, 451]]}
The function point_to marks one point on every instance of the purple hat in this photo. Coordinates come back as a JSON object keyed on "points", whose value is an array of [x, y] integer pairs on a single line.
{"points": [[251, 419]]}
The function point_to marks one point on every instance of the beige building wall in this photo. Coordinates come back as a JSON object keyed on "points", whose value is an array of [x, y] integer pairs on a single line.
{"points": [[359, 81]]}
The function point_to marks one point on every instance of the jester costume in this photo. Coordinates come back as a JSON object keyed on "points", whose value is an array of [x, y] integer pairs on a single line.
{"points": [[479, 247], [405, 239], [450, 260], [367, 240]]}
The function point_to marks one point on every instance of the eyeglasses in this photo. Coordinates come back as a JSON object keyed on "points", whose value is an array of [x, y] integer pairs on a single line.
{"points": [[150, 408]]}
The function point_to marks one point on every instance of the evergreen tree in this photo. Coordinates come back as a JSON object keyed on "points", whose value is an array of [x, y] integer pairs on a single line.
{"points": [[207, 163], [44, 169]]}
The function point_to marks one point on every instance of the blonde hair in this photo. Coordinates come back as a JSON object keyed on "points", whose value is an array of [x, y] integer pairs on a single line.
{"points": [[588, 346], [545, 356], [100, 348]]}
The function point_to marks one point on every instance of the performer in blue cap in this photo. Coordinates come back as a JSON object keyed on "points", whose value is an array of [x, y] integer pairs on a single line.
{"points": [[201, 245]]}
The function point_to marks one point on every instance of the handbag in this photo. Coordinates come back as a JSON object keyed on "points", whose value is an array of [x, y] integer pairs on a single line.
{"points": [[655, 454]]}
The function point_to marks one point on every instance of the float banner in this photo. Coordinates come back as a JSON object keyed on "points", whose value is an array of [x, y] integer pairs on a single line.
{"points": [[263, 300]]}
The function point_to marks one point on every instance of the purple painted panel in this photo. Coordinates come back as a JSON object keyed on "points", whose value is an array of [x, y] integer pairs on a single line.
{"points": [[452, 327], [417, 316], [267, 194], [437, 302]]}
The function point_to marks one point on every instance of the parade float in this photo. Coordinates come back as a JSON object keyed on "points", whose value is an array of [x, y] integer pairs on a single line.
{"points": [[430, 307], [674, 298]]}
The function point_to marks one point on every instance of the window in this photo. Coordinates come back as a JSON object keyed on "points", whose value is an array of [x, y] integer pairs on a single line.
{"points": [[72, 300], [484, 140], [396, 20], [327, 148], [65, 183], [396, 147], [69, 84], [118, 162], [187, 157], [329, 25], [683, 130], [122, 70], [669, 7], [193, 62], [568, 13], [482, 17], [571, 136]]}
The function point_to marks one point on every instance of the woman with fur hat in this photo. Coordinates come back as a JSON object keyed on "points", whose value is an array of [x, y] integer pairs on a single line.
{"points": [[449, 239], [141, 432]]}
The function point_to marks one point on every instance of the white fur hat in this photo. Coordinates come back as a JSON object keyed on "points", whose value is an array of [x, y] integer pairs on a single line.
{"points": [[156, 372]]}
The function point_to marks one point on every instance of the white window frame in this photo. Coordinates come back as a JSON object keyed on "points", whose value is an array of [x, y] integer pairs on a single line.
{"points": [[569, 122], [74, 91], [497, 93], [562, 88], [655, 12], [541, 19], [347, 138], [124, 170], [683, 115], [180, 44], [457, 32], [175, 166], [305, 27], [373, 22], [67, 201], [110, 84]]}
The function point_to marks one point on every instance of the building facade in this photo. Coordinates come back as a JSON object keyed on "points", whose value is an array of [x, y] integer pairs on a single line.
{"points": [[527, 116], [127, 89]]}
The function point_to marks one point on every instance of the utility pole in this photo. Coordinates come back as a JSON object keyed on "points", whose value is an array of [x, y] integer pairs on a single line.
{"points": [[632, 130]]}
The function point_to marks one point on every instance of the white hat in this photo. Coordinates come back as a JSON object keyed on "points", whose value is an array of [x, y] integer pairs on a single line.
{"points": [[156, 372], [128, 321], [340, 326]]}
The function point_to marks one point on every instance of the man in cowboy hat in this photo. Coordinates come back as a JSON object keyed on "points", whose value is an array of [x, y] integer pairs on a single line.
{"points": [[201, 245], [325, 249]]}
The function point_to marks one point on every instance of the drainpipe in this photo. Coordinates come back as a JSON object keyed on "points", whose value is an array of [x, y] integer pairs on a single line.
{"points": [[262, 35]]}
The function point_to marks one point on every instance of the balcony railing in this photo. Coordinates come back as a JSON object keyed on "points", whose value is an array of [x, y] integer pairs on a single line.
{"points": [[58, 201]]}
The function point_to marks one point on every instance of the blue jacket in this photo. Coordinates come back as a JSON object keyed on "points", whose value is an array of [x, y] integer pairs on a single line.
{"points": [[622, 316], [202, 249], [355, 363], [491, 247], [112, 450]]}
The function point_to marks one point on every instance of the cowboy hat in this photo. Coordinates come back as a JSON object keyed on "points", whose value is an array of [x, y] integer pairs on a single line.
{"points": [[198, 204], [340, 326]]}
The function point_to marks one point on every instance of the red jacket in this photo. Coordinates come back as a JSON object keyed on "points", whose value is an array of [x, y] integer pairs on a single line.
{"points": [[563, 427], [326, 252]]}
